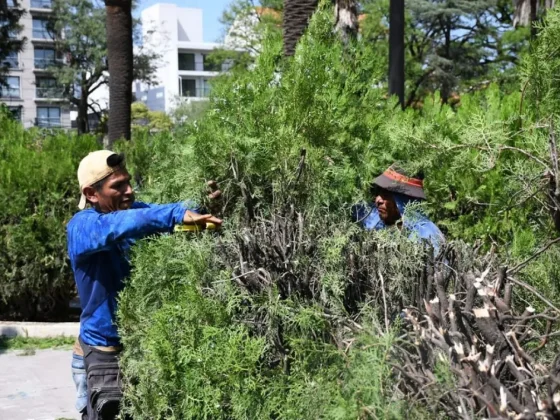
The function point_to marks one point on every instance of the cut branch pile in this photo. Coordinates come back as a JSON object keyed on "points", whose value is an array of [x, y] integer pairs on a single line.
{"points": [[456, 311], [471, 327]]}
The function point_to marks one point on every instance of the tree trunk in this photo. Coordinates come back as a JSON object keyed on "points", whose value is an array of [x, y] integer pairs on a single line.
{"points": [[120, 56], [396, 50], [447, 81], [533, 18], [296, 17], [346, 14], [526, 11], [522, 15], [82, 118]]}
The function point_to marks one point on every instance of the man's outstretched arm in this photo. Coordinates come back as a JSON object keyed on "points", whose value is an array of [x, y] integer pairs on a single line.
{"points": [[91, 232]]}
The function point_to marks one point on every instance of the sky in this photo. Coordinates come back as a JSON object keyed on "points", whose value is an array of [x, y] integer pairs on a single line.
{"points": [[211, 12]]}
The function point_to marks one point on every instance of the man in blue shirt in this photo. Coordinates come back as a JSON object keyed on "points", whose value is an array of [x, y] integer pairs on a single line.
{"points": [[99, 241], [392, 192]]}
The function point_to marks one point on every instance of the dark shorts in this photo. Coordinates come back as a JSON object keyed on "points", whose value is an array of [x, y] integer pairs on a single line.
{"points": [[104, 383]]}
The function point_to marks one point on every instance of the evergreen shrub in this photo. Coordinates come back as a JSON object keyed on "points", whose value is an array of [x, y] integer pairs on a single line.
{"points": [[38, 195], [282, 314]]}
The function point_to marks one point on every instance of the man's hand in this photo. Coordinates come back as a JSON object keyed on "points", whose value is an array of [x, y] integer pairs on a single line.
{"points": [[192, 218], [214, 197]]}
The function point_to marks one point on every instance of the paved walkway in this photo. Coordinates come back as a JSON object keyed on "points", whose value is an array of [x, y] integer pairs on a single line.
{"points": [[36, 387]]}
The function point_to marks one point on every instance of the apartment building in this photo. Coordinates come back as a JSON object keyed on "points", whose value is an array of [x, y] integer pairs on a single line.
{"points": [[32, 94], [184, 72]]}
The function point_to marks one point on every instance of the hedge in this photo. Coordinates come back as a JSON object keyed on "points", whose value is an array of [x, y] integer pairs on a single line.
{"points": [[38, 195], [258, 322]]}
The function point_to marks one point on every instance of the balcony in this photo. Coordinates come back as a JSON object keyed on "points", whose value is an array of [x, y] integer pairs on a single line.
{"points": [[48, 122], [196, 93], [9, 92], [45, 63], [41, 4], [10, 63], [42, 34], [49, 93]]}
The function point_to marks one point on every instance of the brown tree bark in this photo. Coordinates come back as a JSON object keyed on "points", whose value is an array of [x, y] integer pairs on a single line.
{"points": [[296, 17], [82, 118], [120, 56], [396, 50], [346, 14], [522, 15], [526, 12]]}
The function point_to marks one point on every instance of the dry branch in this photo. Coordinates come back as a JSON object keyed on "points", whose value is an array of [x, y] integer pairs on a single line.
{"points": [[458, 313]]}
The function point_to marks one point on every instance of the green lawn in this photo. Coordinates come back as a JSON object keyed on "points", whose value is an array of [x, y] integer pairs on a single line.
{"points": [[28, 343]]}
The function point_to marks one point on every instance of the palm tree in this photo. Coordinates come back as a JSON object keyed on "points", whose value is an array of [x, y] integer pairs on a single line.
{"points": [[120, 57], [296, 17]]}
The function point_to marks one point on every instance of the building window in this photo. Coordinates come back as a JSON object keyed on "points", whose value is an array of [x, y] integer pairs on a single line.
{"points": [[11, 3], [211, 65], [11, 90], [13, 33], [15, 112], [41, 4], [45, 57], [40, 29], [11, 60], [188, 88], [47, 87], [48, 117], [186, 61], [205, 89]]}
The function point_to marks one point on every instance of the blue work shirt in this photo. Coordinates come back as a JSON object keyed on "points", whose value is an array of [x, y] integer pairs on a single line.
{"points": [[98, 247], [419, 226]]}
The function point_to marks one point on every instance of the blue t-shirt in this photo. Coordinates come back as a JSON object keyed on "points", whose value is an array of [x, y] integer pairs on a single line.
{"points": [[98, 247], [417, 224]]}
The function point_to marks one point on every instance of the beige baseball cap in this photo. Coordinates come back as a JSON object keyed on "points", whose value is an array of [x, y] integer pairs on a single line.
{"points": [[95, 167]]}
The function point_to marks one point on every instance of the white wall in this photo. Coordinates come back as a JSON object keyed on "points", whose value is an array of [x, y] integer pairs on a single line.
{"points": [[172, 29]]}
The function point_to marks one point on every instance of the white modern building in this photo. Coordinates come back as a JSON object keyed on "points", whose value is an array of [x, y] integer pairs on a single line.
{"points": [[32, 95], [184, 72]]}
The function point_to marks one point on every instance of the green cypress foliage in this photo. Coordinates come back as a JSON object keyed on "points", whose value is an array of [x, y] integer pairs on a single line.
{"points": [[267, 319]]}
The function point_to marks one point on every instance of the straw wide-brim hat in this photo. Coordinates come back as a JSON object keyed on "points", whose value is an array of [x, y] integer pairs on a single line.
{"points": [[394, 180]]}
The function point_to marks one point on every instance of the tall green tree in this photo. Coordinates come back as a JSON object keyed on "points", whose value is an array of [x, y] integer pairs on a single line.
{"points": [[81, 40], [295, 20], [459, 42], [10, 27], [451, 46], [246, 24], [121, 64]]}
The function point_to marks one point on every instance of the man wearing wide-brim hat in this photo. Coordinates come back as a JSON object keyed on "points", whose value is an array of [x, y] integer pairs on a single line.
{"points": [[392, 192]]}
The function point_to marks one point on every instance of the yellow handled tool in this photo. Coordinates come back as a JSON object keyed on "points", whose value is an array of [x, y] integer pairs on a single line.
{"points": [[194, 228]]}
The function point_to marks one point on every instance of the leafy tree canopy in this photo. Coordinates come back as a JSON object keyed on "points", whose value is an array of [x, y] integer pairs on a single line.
{"points": [[78, 27], [10, 27]]}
